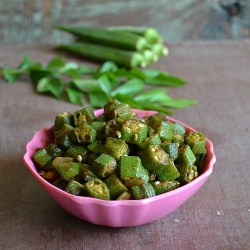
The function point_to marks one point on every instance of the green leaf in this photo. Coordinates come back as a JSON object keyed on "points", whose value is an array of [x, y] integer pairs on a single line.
{"points": [[83, 69], [155, 77], [26, 63], [129, 100], [56, 62], [74, 96], [52, 86], [98, 99], [151, 73], [108, 66], [178, 103], [87, 85], [152, 95], [156, 107], [37, 74], [105, 85], [130, 87], [10, 75]]}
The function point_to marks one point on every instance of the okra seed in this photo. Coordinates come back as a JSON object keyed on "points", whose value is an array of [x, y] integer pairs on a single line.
{"points": [[79, 158], [135, 137], [118, 133]]}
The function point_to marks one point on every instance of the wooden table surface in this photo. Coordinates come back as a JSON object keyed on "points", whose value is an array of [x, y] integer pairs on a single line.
{"points": [[217, 217]]}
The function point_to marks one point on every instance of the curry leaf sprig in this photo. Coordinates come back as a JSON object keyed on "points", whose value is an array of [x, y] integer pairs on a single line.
{"points": [[141, 88]]}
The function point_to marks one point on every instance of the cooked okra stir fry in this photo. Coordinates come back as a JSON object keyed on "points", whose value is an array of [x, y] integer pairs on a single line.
{"points": [[118, 156]]}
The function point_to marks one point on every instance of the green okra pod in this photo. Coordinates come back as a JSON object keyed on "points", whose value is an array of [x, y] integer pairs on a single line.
{"points": [[187, 173], [115, 147], [97, 189], [132, 172], [41, 157], [115, 186], [54, 150], [62, 119], [186, 155], [74, 187], [161, 126], [171, 149], [69, 170], [85, 115], [64, 137], [84, 134], [133, 131], [161, 187], [104, 165], [197, 142], [157, 161], [143, 191], [77, 152]]}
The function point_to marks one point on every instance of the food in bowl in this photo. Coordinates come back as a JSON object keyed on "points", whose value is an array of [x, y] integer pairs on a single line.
{"points": [[118, 155], [123, 212]]}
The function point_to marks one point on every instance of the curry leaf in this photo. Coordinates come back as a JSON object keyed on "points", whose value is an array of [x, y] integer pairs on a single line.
{"points": [[52, 86], [74, 96]]}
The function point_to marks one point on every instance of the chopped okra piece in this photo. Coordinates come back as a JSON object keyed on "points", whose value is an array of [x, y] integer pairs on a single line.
{"points": [[157, 161], [41, 157], [54, 150], [95, 147], [112, 128], [161, 187], [187, 173], [115, 147], [133, 131], [186, 155], [115, 186], [143, 191], [85, 115], [77, 152], [97, 189], [104, 165], [121, 111], [199, 161], [125, 196], [114, 109], [88, 175], [197, 142], [110, 105], [153, 139], [84, 134], [74, 187], [163, 128], [64, 136], [62, 119], [179, 129], [177, 138], [171, 149], [69, 170], [99, 127], [132, 172]]}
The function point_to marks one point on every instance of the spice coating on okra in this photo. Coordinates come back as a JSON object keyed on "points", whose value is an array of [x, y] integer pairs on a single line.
{"points": [[119, 156]]}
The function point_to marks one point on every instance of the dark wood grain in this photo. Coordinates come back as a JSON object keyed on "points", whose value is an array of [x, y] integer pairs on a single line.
{"points": [[217, 217], [28, 21]]}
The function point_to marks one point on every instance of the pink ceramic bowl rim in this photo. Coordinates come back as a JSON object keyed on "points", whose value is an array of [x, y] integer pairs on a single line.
{"points": [[31, 147]]}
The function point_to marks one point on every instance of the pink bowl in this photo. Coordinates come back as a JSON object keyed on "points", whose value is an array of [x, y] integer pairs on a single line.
{"points": [[123, 213]]}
